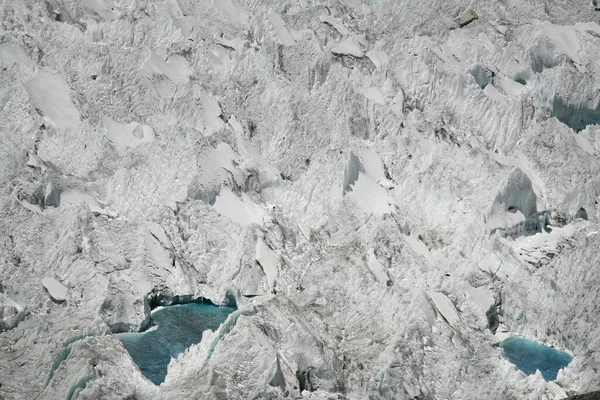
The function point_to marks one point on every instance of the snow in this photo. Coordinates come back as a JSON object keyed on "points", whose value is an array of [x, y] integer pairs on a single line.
{"points": [[269, 261], [565, 37], [242, 211], [10, 54], [371, 197], [57, 290], [445, 307], [283, 33], [211, 113], [176, 68], [348, 47], [122, 135], [481, 297], [377, 269], [379, 58], [51, 94]]}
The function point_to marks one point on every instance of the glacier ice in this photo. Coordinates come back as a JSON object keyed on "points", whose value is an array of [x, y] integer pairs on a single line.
{"points": [[386, 190]]}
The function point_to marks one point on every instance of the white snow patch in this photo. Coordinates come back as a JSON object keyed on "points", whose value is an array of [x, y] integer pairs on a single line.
{"points": [[376, 267], [326, 19], [306, 231], [510, 87], [176, 68], [50, 94], [373, 94], [10, 55], [57, 290], [504, 220], [269, 261], [379, 58], [243, 211], [584, 144], [418, 247], [565, 38], [159, 233], [445, 307], [374, 167], [481, 297], [122, 135], [234, 123], [493, 93], [227, 159], [233, 10], [349, 47], [371, 197], [211, 113], [237, 44], [156, 252], [283, 33], [75, 197]]}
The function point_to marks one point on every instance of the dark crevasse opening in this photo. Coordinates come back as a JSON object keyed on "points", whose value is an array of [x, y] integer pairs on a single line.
{"points": [[577, 117], [175, 328], [530, 356]]}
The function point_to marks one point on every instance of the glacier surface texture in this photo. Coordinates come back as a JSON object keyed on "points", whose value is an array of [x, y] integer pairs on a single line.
{"points": [[369, 195]]}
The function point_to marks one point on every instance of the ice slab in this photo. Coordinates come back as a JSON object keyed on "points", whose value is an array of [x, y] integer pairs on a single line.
{"points": [[376, 267], [444, 306], [348, 47], [269, 260], [50, 94], [57, 290]]}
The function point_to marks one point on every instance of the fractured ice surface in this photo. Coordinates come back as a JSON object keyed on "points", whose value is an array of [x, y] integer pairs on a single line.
{"points": [[384, 194]]}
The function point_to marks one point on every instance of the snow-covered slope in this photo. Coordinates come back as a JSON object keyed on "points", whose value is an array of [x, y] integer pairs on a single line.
{"points": [[377, 184]]}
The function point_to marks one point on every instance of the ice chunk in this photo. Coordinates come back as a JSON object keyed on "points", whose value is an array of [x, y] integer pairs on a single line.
{"points": [[445, 307], [50, 94], [57, 290], [269, 260], [348, 47]]}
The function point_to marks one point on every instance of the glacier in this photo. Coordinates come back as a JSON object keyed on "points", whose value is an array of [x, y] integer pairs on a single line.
{"points": [[384, 190]]}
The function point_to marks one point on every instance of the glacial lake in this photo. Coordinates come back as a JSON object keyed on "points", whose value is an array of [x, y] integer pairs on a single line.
{"points": [[176, 328], [530, 356]]}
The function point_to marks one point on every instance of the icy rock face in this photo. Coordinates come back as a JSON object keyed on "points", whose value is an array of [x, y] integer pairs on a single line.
{"points": [[366, 179]]}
